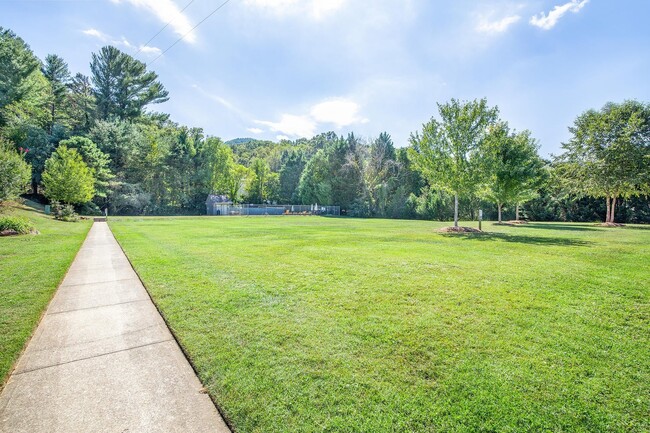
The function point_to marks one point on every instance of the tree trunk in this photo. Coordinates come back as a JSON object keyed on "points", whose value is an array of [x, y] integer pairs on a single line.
{"points": [[613, 209], [608, 206], [517, 212], [456, 210], [499, 207], [34, 186]]}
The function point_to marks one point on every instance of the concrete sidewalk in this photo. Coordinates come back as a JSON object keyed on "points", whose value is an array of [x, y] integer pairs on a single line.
{"points": [[103, 360]]}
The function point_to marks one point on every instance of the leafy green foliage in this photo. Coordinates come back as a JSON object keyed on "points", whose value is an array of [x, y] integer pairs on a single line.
{"points": [[67, 178], [95, 159], [451, 152], [516, 169], [15, 173], [64, 212], [608, 154], [18, 224]]}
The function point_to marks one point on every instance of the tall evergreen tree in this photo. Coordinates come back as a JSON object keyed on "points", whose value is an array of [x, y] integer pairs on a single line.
{"points": [[123, 86], [56, 71], [81, 104], [17, 64]]}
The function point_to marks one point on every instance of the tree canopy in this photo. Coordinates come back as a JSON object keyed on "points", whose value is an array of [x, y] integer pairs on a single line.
{"points": [[451, 152], [67, 178], [123, 86], [608, 154]]}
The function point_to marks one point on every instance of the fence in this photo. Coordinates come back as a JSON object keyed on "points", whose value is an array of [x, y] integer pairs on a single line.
{"points": [[272, 209]]}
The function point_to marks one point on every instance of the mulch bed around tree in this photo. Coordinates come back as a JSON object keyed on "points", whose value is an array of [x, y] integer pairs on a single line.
{"points": [[459, 230], [611, 225]]}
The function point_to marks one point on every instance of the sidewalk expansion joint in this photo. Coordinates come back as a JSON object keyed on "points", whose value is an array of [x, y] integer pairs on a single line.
{"points": [[100, 282], [97, 306], [91, 357]]}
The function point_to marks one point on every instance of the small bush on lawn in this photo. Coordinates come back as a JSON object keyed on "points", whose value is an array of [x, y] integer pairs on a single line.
{"points": [[64, 212], [10, 225]]}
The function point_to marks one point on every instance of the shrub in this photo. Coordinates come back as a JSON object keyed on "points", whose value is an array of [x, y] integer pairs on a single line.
{"points": [[64, 212], [15, 173], [67, 178], [15, 225]]}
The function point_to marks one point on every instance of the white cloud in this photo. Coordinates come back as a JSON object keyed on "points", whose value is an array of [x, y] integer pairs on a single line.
{"points": [[291, 125], [150, 50], [316, 9], [321, 8], [547, 22], [255, 130], [341, 112], [96, 34], [500, 26], [281, 137], [166, 11]]}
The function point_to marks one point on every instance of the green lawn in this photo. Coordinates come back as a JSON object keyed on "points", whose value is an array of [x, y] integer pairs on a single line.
{"points": [[31, 268], [306, 324]]}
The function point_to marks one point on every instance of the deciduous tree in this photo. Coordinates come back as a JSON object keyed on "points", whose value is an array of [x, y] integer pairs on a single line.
{"points": [[516, 168], [67, 178], [451, 152], [608, 154], [15, 173]]}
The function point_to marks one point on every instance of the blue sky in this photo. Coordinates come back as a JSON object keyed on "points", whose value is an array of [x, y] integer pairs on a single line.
{"points": [[289, 68]]}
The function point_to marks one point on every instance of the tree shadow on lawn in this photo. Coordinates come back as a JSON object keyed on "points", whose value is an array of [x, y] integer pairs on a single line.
{"points": [[556, 226], [637, 227], [522, 239]]}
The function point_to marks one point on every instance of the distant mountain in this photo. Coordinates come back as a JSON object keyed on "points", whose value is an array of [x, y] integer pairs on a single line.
{"points": [[235, 141]]}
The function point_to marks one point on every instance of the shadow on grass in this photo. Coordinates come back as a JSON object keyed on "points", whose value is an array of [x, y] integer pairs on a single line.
{"points": [[522, 239], [560, 227], [637, 227]]}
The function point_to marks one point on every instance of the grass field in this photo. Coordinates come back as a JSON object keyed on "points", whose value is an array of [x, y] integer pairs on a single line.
{"points": [[307, 324], [31, 268]]}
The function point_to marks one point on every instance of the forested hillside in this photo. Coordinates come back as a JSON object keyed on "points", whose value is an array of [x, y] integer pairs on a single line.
{"points": [[102, 132]]}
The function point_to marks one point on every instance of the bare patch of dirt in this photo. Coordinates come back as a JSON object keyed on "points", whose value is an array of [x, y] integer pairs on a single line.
{"points": [[517, 222], [459, 230]]}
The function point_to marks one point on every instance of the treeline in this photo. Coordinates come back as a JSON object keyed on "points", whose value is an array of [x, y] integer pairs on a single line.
{"points": [[92, 141]]}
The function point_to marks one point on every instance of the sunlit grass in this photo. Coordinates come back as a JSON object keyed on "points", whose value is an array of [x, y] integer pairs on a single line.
{"points": [[314, 324]]}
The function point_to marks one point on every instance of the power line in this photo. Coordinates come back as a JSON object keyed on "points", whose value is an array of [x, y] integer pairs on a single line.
{"points": [[164, 27], [190, 31]]}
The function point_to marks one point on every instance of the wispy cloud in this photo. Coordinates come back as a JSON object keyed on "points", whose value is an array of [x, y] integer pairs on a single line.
{"points": [[499, 26], [166, 11], [547, 22], [316, 9], [122, 42], [255, 130], [221, 100]]}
